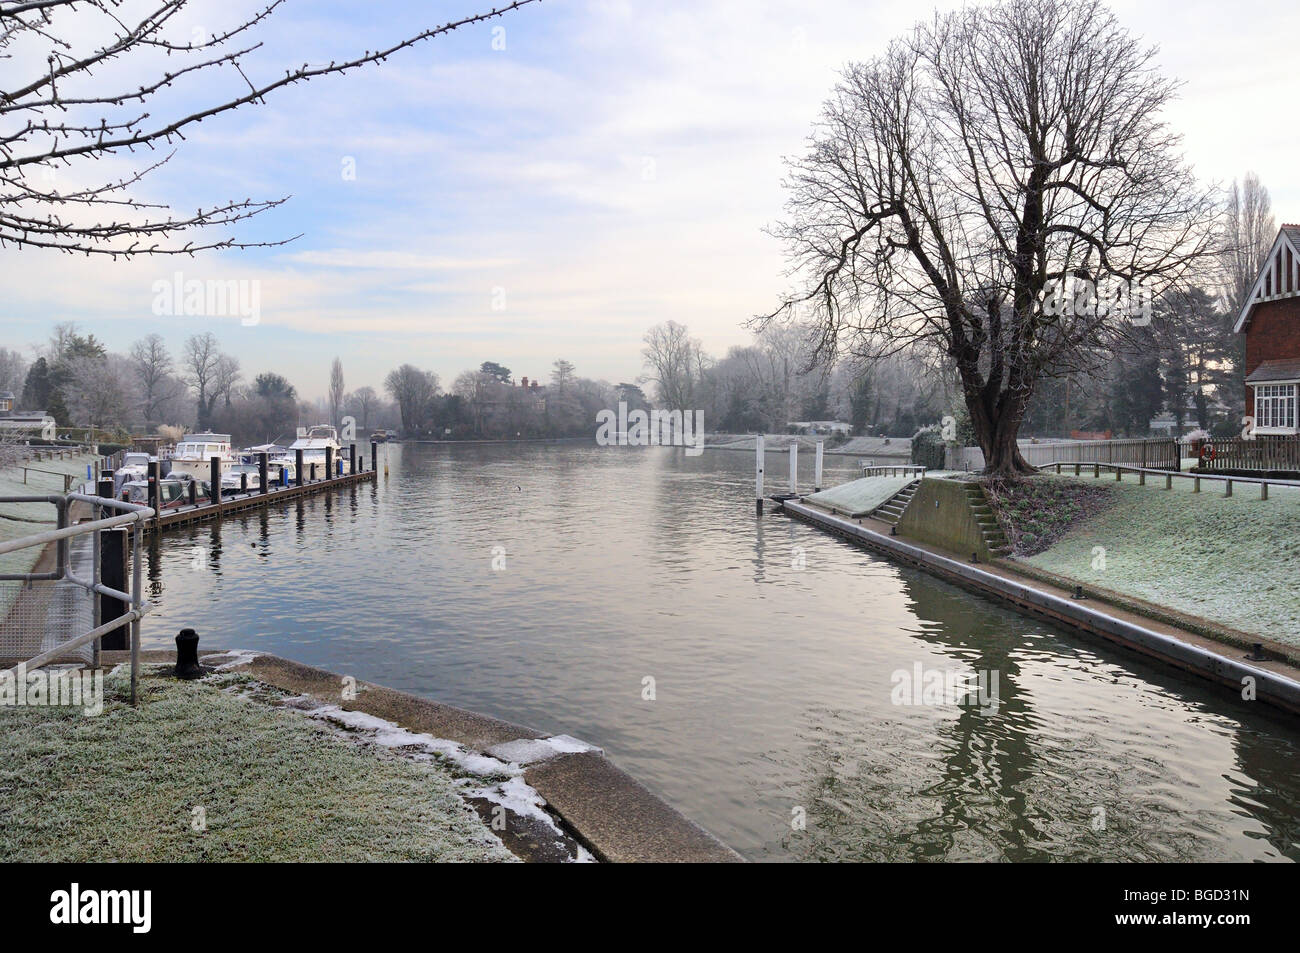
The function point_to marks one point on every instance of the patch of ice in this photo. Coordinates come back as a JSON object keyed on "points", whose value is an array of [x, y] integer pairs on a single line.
{"points": [[532, 750], [237, 658], [519, 798], [389, 735]]}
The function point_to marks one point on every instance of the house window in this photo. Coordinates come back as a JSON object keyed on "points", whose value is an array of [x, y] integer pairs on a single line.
{"points": [[1275, 406]]}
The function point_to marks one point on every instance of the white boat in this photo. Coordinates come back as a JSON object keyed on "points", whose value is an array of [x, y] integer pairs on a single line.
{"points": [[313, 442], [279, 462], [233, 480], [193, 456]]}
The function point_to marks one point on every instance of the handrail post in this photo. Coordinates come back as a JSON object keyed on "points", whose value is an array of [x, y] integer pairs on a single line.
{"points": [[136, 602]]}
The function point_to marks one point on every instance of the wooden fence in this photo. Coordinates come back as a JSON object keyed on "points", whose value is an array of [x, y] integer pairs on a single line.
{"points": [[1161, 454], [1262, 453]]}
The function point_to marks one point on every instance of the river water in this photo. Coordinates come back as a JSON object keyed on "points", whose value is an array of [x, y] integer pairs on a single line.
{"points": [[743, 669]]}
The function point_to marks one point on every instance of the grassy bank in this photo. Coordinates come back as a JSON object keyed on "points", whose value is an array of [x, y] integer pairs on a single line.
{"points": [[1230, 560], [268, 784]]}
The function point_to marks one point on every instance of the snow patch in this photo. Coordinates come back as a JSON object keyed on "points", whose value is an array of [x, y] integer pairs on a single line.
{"points": [[386, 734], [532, 750], [237, 658]]}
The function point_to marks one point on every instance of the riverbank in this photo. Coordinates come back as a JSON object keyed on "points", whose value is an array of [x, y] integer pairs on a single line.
{"points": [[1217, 562], [276, 761], [1275, 680]]}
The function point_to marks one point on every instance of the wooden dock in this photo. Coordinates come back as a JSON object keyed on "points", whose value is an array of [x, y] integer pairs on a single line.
{"points": [[240, 502]]}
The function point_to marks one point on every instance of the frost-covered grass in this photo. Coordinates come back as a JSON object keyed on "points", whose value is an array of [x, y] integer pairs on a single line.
{"points": [[269, 785], [1233, 561]]}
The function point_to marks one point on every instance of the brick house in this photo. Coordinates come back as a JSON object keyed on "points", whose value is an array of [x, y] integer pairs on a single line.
{"points": [[1270, 320]]}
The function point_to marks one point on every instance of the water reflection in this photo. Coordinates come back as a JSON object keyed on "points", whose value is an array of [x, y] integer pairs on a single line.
{"points": [[773, 674]]}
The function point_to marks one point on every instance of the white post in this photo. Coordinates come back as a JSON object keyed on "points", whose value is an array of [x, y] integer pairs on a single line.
{"points": [[794, 466], [758, 476], [817, 470]]}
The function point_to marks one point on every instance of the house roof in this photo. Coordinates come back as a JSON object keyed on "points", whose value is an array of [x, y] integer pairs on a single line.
{"points": [[1275, 371], [1278, 278]]}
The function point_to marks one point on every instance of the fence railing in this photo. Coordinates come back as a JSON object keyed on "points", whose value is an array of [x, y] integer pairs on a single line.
{"points": [[129, 515], [871, 468], [1261, 453], [1162, 453]]}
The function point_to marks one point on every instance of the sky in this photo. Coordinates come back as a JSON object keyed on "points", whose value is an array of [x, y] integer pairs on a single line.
{"points": [[553, 183]]}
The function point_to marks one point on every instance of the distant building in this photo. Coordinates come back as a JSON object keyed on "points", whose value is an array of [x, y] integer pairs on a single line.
{"points": [[1270, 319], [27, 421], [821, 427]]}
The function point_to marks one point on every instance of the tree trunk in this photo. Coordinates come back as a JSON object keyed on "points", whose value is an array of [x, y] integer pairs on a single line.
{"points": [[996, 433]]}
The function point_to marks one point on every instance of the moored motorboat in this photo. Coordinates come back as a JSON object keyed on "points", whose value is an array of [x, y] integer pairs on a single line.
{"points": [[193, 456]]}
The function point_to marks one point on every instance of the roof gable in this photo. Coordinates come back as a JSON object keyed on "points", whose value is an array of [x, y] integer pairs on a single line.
{"points": [[1280, 276]]}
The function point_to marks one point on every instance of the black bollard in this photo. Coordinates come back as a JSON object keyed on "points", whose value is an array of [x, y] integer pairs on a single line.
{"points": [[187, 655]]}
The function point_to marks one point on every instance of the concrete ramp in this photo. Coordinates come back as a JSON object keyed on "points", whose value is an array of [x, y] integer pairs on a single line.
{"points": [[860, 497]]}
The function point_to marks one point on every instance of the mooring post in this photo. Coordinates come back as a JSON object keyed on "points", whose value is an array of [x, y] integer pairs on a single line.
{"points": [[214, 475], [374, 455], [187, 655], [243, 481], [194, 492], [758, 476], [264, 472], [817, 469], [329, 463], [112, 574], [154, 489], [312, 478], [352, 458], [794, 466], [297, 467]]}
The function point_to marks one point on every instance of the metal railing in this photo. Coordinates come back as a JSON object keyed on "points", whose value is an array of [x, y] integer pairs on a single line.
{"points": [[897, 469], [1224, 480], [130, 515]]}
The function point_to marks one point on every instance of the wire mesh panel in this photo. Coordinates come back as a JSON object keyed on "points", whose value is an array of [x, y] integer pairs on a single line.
{"points": [[38, 616]]}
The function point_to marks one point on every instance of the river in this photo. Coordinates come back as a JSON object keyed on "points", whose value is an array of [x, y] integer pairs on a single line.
{"points": [[745, 669]]}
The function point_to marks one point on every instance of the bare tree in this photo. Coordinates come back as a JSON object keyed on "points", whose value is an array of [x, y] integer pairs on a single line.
{"points": [[673, 361], [1249, 231], [13, 370], [561, 375], [225, 377], [201, 357], [77, 107], [414, 390], [983, 162], [96, 391], [152, 364], [336, 391], [362, 403]]}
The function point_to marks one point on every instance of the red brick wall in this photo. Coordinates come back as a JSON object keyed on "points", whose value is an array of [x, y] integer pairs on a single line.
{"points": [[1273, 335]]}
